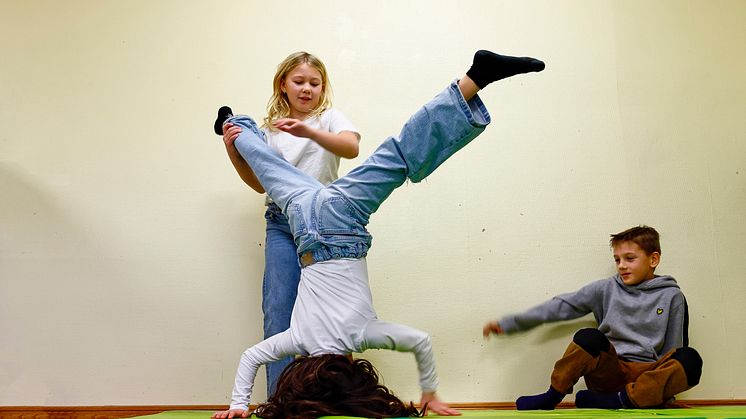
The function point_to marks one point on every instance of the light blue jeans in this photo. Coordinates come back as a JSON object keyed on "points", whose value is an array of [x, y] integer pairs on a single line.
{"points": [[280, 286], [330, 221]]}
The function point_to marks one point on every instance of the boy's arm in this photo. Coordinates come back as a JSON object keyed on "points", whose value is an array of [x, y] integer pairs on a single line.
{"points": [[398, 337], [567, 306], [550, 311], [266, 351], [677, 333]]}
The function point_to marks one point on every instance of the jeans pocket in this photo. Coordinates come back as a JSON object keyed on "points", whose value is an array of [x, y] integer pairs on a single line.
{"points": [[337, 217], [297, 223]]}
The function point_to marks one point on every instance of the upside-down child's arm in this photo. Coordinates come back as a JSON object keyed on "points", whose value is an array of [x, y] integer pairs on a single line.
{"points": [[398, 337], [271, 349]]}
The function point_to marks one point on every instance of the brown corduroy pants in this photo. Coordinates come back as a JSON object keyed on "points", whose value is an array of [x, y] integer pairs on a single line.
{"points": [[648, 384]]}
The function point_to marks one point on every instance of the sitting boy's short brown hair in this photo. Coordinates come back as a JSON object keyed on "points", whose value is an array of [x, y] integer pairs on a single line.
{"points": [[646, 237]]}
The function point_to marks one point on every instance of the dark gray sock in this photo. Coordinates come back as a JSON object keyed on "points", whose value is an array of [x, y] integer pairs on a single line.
{"points": [[543, 401], [488, 67], [587, 399], [223, 114]]}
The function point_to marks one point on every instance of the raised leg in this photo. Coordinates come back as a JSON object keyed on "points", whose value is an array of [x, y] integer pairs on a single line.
{"points": [[438, 130], [282, 181], [433, 134]]}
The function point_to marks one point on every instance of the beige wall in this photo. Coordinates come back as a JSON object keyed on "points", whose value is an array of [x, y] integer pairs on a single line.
{"points": [[131, 254]]}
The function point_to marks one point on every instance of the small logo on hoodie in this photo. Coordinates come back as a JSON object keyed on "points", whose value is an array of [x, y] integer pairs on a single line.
{"points": [[659, 311]]}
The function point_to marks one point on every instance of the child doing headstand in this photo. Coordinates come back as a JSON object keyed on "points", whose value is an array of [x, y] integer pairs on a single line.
{"points": [[639, 356], [301, 99], [333, 313]]}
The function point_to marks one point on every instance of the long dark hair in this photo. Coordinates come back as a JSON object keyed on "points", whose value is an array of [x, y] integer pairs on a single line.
{"points": [[332, 385]]}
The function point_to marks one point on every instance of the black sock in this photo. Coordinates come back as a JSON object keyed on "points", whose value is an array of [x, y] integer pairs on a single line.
{"points": [[593, 400], [223, 114], [488, 67], [543, 401]]}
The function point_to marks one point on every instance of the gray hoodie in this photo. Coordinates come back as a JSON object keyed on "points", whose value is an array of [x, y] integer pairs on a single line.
{"points": [[643, 321]]}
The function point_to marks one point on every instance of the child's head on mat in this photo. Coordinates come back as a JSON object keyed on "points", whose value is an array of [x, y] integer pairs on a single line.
{"points": [[332, 385]]}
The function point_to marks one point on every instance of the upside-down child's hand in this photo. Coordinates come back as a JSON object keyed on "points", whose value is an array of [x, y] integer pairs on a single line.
{"points": [[492, 327], [430, 403], [230, 413]]}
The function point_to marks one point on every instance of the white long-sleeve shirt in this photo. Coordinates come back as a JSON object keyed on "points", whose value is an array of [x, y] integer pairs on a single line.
{"points": [[334, 314]]}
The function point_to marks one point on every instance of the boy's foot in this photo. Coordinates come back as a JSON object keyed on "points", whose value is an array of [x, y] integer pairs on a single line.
{"points": [[223, 114], [543, 401], [488, 67], [587, 399]]}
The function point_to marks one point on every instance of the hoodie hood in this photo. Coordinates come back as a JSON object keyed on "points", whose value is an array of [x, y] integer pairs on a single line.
{"points": [[662, 281]]}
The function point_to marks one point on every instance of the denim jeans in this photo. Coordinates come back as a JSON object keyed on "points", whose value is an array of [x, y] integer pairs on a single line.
{"points": [[280, 287], [330, 221]]}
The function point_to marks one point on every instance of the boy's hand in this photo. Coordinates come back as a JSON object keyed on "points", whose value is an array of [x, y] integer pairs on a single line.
{"points": [[430, 403], [492, 327], [230, 413]]}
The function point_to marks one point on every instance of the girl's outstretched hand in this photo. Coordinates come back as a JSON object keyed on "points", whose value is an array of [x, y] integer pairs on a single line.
{"points": [[430, 403], [492, 327], [230, 413], [293, 126]]}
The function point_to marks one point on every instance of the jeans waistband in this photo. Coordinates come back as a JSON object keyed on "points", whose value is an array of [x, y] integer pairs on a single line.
{"points": [[353, 251]]}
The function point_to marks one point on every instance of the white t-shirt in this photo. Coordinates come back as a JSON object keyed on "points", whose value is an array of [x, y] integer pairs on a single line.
{"points": [[334, 314], [306, 154]]}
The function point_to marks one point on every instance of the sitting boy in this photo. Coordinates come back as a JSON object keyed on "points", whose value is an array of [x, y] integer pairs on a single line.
{"points": [[639, 356]]}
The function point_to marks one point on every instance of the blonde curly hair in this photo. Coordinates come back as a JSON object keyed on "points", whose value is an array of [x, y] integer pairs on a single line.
{"points": [[278, 105]]}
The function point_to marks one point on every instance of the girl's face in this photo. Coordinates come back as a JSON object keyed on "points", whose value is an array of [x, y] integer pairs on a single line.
{"points": [[303, 88]]}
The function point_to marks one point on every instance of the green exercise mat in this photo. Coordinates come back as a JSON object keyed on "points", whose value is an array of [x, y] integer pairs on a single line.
{"points": [[710, 412]]}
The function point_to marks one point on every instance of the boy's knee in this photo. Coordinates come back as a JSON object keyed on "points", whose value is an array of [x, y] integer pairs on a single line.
{"points": [[592, 341], [691, 361]]}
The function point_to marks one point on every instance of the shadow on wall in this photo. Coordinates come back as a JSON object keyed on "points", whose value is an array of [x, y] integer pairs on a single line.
{"points": [[48, 295], [32, 220]]}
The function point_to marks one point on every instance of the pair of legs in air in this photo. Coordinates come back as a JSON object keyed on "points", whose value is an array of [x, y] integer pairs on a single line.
{"points": [[329, 221]]}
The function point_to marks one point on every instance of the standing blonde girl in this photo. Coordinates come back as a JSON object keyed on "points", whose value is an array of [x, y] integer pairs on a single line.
{"points": [[312, 136]]}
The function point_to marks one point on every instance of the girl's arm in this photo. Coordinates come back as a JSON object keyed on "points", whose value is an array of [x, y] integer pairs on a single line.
{"points": [[271, 349], [230, 133], [343, 144], [380, 334], [430, 403]]}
